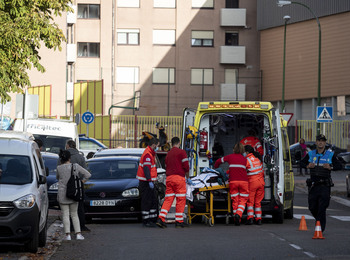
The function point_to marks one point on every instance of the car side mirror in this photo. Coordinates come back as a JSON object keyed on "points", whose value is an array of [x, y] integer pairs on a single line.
{"points": [[42, 179]]}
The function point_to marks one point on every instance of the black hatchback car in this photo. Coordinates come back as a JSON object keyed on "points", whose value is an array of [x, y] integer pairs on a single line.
{"points": [[112, 190], [295, 151], [50, 161]]}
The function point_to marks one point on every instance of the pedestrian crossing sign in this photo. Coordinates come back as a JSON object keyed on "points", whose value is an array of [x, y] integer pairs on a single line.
{"points": [[324, 115]]}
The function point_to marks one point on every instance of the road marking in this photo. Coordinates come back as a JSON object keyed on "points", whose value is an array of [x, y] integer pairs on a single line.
{"points": [[341, 200], [342, 218], [300, 207], [309, 254], [295, 246], [298, 216]]}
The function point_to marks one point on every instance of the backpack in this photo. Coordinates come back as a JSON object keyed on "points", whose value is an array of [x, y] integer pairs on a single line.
{"points": [[74, 187]]}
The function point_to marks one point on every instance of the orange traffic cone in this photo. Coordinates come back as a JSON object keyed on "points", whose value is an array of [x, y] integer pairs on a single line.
{"points": [[318, 231], [302, 225]]}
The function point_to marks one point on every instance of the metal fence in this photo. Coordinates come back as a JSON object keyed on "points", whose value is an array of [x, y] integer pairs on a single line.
{"points": [[337, 132], [126, 131]]}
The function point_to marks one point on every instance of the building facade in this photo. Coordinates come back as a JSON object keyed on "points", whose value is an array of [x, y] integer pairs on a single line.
{"points": [[302, 56], [175, 53]]}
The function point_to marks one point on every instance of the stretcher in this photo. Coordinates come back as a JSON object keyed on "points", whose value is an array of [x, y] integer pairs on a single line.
{"points": [[209, 212]]}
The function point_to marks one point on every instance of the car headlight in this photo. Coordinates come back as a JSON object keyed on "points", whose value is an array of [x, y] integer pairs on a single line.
{"points": [[134, 192], [161, 178], [54, 186], [25, 202]]}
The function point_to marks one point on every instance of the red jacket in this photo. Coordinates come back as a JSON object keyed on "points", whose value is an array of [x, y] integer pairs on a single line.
{"points": [[253, 142], [255, 169], [237, 164], [176, 162], [147, 160]]}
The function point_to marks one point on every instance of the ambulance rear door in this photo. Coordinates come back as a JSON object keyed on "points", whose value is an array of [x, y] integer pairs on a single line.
{"points": [[278, 167], [188, 144]]}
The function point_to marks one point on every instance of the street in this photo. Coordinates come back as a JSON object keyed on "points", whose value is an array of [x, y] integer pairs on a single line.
{"points": [[127, 239]]}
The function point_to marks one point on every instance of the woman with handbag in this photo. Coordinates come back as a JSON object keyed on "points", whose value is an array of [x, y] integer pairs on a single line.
{"points": [[69, 207]]}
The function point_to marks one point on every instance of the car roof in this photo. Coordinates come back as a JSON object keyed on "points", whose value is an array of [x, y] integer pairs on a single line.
{"points": [[114, 158], [93, 140], [119, 151], [49, 155]]}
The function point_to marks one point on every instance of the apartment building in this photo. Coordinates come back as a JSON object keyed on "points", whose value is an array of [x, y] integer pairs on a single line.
{"points": [[302, 57], [174, 53]]}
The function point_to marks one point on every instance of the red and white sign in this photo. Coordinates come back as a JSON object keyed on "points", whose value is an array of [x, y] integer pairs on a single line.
{"points": [[287, 116]]}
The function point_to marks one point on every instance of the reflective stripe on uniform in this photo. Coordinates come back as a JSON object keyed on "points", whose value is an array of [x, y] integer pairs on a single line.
{"points": [[243, 195], [181, 195], [234, 195], [170, 195], [237, 166], [184, 160]]}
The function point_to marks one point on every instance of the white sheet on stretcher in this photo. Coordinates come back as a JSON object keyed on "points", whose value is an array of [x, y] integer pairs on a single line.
{"points": [[200, 181]]}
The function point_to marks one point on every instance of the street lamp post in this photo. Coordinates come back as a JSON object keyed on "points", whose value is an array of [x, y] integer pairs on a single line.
{"points": [[281, 3], [286, 19]]}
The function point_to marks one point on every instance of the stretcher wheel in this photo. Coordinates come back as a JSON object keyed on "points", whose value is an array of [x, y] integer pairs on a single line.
{"points": [[227, 219], [211, 222]]}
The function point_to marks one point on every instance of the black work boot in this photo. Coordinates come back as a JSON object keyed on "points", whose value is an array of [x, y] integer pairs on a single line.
{"points": [[249, 222], [237, 220], [160, 223]]}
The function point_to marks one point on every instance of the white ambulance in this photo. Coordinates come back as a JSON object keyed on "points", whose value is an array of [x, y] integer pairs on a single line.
{"points": [[53, 132]]}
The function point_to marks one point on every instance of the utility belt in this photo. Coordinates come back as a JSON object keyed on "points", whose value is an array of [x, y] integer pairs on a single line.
{"points": [[325, 182]]}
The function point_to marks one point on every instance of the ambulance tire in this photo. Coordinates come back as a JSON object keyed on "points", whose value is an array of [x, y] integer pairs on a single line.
{"points": [[278, 216], [289, 212]]}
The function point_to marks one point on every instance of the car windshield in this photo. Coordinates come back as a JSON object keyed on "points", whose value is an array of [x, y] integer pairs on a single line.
{"points": [[52, 144], [51, 163], [15, 169], [113, 169]]}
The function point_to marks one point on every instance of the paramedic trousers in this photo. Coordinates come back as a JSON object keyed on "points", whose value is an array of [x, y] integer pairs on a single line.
{"points": [[175, 187], [149, 202], [319, 197], [239, 191], [256, 195]]}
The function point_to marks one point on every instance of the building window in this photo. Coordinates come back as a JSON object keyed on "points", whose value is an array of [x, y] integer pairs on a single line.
{"points": [[203, 38], [129, 3], [231, 4], [163, 76], [127, 75], [86, 11], [231, 38], [202, 76], [164, 37], [128, 36], [164, 3], [89, 49], [203, 4]]}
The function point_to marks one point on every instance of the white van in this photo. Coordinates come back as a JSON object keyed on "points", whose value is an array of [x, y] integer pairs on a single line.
{"points": [[53, 132], [23, 191]]}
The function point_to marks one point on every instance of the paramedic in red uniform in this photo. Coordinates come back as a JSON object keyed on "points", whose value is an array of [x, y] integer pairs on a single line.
{"points": [[238, 180], [177, 170], [256, 181], [253, 141], [147, 174]]}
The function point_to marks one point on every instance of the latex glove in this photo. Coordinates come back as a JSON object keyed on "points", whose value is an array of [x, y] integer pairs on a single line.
{"points": [[189, 182], [151, 185]]}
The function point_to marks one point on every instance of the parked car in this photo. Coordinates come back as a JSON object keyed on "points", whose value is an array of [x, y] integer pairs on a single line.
{"points": [[295, 151], [88, 144], [50, 161], [23, 192], [112, 190]]}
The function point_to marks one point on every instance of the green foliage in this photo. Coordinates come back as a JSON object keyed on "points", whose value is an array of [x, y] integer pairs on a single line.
{"points": [[24, 26]]}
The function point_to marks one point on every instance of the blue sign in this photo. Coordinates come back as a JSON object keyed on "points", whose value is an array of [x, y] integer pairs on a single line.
{"points": [[324, 115], [87, 117]]}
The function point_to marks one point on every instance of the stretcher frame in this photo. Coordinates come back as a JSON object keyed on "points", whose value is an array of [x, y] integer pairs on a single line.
{"points": [[209, 214]]}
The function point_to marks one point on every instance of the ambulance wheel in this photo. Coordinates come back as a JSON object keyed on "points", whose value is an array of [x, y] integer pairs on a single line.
{"points": [[289, 212], [211, 222]]}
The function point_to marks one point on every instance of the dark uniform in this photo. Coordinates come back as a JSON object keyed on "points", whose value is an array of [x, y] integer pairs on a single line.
{"points": [[320, 181]]}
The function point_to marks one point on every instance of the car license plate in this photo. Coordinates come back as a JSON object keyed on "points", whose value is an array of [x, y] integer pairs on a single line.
{"points": [[102, 203]]}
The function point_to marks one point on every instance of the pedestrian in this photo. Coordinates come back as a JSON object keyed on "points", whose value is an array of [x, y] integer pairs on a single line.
{"points": [[253, 141], [238, 179], [40, 144], [177, 171], [147, 174], [68, 206], [303, 148], [256, 182], [320, 162], [77, 157]]}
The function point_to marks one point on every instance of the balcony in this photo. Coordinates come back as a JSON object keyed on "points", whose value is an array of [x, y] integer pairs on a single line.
{"points": [[232, 54], [233, 17], [71, 52], [229, 92]]}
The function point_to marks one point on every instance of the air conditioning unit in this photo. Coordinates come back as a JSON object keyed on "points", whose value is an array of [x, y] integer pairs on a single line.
{"points": [[72, 16]]}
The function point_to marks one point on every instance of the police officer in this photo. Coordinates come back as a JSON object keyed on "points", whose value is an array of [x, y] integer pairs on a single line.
{"points": [[320, 162]]}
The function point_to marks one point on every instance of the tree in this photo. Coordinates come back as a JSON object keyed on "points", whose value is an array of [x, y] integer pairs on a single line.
{"points": [[24, 26]]}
